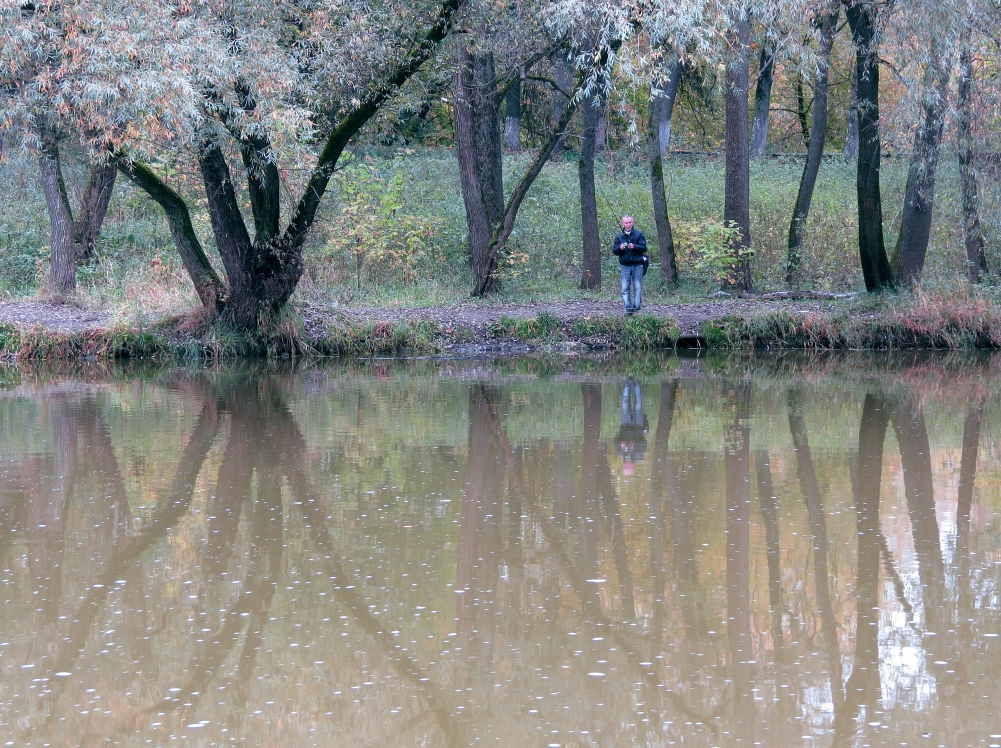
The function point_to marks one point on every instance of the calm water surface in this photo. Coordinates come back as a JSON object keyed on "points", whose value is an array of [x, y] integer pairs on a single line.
{"points": [[777, 552]]}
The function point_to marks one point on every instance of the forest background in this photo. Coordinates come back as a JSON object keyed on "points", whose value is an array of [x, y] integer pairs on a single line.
{"points": [[602, 108]]}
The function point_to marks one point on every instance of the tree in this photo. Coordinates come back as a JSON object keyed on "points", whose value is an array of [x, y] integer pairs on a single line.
{"points": [[737, 198], [591, 256], [763, 98], [661, 109], [827, 21], [919, 196], [973, 235], [201, 82], [863, 18]]}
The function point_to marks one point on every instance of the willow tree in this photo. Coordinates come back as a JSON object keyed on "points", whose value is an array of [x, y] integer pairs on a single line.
{"points": [[215, 81]]}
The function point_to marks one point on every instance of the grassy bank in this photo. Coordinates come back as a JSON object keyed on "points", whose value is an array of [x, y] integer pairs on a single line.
{"points": [[921, 320]]}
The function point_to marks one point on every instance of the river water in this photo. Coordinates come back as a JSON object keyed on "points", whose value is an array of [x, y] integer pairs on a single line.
{"points": [[776, 551]]}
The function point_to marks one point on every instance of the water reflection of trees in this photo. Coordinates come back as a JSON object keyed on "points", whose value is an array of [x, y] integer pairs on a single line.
{"points": [[579, 602]]}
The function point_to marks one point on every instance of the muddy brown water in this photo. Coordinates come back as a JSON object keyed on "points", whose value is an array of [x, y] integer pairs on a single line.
{"points": [[722, 552]]}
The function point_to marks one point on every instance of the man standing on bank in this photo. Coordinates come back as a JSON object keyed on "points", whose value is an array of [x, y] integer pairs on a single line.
{"points": [[630, 248]]}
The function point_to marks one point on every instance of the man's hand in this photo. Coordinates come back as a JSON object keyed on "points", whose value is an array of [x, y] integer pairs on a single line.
{"points": [[632, 246]]}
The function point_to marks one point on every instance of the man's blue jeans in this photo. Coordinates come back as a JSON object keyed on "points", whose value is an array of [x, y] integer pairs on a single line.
{"points": [[632, 280]]}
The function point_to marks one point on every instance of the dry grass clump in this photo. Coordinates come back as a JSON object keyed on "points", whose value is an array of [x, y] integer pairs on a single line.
{"points": [[956, 320]]}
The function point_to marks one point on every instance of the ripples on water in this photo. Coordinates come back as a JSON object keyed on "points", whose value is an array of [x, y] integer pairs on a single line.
{"points": [[659, 552]]}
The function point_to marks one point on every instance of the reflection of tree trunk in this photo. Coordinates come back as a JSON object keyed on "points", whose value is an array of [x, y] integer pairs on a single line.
{"points": [[769, 513], [661, 479], [170, 509], [738, 549], [915, 459], [818, 532], [862, 688], [591, 456], [477, 560], [232, 491], [967, 476], [45, 528]]}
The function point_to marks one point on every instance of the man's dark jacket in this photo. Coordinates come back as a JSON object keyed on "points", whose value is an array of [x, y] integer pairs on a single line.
{"points": [[628, 256]]}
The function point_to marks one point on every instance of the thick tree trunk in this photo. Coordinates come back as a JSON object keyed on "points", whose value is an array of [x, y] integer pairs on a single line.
{"points": [[919, 195], [486, 124], [210, 289], [737, 205], [815, 153], [512, 117], [662, 106], [591, 266], [665, 237], [62, 253], [93, 209], [851, 133], [872, 250], [763, 101], [973, 235], [478, 224]]}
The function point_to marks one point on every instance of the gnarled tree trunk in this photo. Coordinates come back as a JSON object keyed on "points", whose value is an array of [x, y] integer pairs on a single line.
{"points": [[818, 138], [737, 199], [872, 250]]}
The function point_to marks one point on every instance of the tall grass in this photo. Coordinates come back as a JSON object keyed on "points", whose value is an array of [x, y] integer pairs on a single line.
{"points": [[138, 274]]}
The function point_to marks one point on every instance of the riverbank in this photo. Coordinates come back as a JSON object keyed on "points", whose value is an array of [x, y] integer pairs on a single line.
{"points": [[40, 330]]}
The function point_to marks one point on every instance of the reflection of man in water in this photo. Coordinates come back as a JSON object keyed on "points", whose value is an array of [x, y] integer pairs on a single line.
{"points": [[630, 442]]}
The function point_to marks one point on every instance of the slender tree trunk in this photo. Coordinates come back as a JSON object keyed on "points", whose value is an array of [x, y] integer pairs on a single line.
{"points": [[591, 265], [662, 106], [601, 133], [477, 222], [210, 289], [512, 117], [763, 101], [665, 237], [773, 549], [802, 111], [919, 195], [872, 250], [815, 152], [62, 253], [851, 133], [737, 205], [563, 75], [973, 235], [93, 209]]}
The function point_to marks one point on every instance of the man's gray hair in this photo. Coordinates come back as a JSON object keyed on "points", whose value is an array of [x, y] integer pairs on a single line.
{"points": [[629, 217]]}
